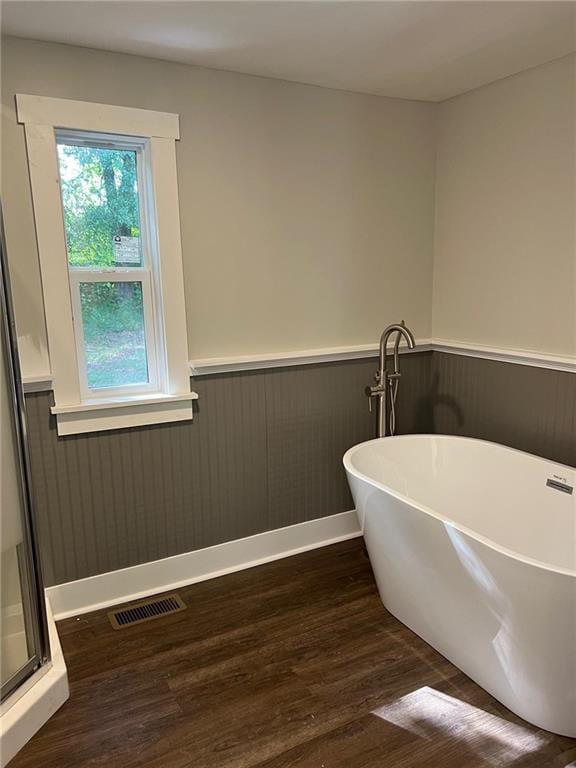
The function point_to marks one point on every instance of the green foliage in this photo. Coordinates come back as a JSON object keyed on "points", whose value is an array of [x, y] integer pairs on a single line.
{"points": [[100, 197], [100, 200], [113, 321], [110, 307]]}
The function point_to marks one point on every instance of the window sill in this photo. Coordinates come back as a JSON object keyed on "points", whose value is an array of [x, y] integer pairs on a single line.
{"points": [[123, 413]]}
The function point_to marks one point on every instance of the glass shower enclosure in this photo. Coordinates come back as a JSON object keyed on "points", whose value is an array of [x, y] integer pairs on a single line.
{"points": [[24, 646]]}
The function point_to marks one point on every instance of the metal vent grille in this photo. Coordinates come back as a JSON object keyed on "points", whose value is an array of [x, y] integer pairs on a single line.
{"points": [[146, 610]]}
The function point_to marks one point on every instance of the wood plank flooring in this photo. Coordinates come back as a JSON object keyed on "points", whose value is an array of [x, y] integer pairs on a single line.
{"points": [[295, 664]]}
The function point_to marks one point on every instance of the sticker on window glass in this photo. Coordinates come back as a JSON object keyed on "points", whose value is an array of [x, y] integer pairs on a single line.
{"points": [[126, 250]]}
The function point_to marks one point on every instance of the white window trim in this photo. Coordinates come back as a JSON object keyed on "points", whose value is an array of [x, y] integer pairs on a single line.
{"points": [[74, 413]]}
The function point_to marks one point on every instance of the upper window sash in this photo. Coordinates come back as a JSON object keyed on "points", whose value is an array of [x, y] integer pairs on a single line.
{"points": [[146, 204]]}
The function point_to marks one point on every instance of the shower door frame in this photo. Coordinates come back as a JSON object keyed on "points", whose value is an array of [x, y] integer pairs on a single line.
{"points": [[33, 598]]}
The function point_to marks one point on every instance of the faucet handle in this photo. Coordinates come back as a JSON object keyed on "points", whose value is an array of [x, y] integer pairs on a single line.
{"points": [[371, 392]]}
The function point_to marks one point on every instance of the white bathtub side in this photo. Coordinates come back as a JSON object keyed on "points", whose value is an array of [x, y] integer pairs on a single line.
{"points": [[509, 625], [496, 494]]}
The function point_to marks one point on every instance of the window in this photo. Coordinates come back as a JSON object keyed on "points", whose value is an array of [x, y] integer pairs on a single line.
{"points": [[110, 262], [109, 245]]}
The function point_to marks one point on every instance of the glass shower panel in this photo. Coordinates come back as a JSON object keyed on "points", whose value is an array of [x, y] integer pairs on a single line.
{"points": [[23, 635], [16, 646]]}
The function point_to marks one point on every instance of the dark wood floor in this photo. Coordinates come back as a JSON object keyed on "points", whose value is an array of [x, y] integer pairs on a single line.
{"points": [[295, 664]]}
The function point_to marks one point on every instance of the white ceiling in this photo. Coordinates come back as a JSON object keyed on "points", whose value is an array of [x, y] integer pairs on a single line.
{"points": [[414, 50]]}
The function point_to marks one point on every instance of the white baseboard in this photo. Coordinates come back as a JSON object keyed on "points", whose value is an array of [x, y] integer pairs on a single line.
{"points": [[114, 587]]}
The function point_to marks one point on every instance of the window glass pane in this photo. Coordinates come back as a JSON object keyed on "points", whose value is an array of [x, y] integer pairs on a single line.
{"points": [[101, 211], [114, 336]]}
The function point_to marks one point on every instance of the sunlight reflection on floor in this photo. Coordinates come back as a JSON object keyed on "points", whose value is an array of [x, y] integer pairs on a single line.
{"points": [[432, 714]]}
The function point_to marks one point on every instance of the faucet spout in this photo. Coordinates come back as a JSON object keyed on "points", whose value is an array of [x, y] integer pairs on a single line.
{"points": [[402, 332]]}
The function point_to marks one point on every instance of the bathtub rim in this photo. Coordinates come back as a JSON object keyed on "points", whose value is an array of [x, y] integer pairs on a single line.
{"points": [[347, 461]]}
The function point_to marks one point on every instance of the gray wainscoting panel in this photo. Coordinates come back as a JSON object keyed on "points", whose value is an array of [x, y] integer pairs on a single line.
{"points": [[315, 413], [532, 409], [264, 451]]}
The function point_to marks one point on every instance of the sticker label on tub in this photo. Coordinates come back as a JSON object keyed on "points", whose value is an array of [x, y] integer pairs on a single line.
{"points": [[559, 484]]}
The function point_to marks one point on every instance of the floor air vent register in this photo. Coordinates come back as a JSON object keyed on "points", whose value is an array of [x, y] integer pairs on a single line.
{"points": [[146, 610]]}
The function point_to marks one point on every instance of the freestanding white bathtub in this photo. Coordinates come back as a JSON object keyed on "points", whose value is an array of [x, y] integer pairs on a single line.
{"points": [[475, 553]]}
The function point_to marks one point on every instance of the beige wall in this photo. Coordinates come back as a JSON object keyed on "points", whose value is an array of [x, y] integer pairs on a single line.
{"points": [[504, 263], [307, 214]]}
